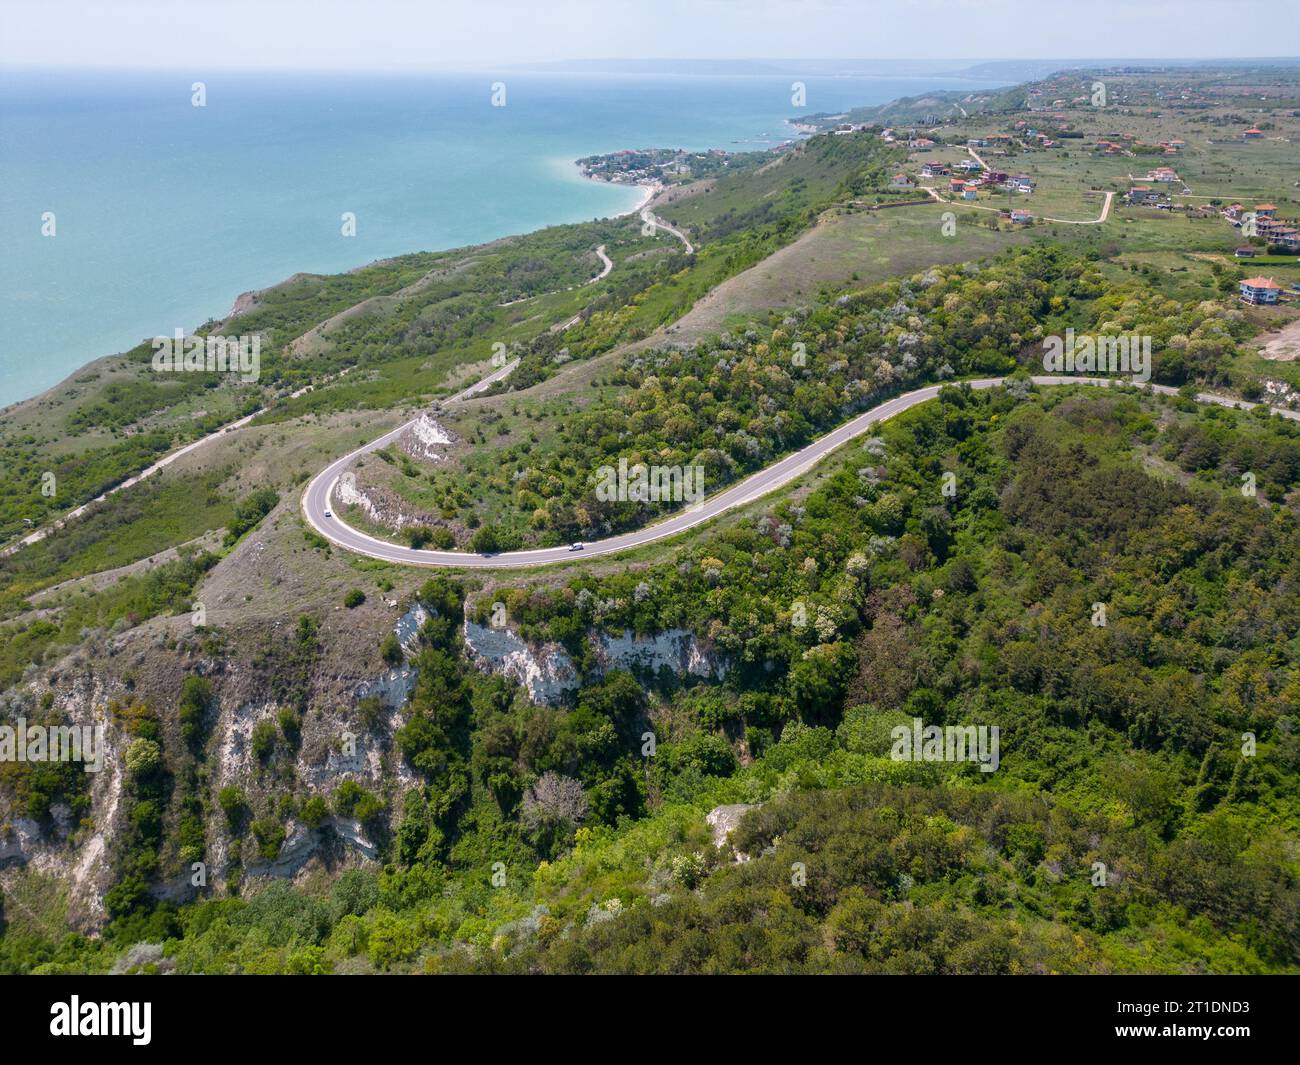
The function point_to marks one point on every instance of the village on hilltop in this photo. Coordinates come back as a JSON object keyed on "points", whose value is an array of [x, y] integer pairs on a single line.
{"points": [[1130, 147]]}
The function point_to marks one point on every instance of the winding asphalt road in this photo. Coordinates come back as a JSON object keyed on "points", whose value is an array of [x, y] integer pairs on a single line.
{"points": [[316, 499]]}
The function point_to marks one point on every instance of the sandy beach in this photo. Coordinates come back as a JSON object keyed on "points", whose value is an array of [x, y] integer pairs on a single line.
{"points": [[648, 193], [649, 190]]}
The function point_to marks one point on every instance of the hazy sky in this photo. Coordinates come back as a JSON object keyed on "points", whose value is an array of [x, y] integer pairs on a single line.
{"points": [[410, 34]]}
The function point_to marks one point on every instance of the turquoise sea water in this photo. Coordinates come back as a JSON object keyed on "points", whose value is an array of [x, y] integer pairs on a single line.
{"points": [[165, 212]]}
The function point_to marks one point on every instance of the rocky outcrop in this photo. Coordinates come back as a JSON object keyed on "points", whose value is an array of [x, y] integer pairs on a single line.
{"points": [[426, 439], [323, 765], [20, 840], [675, 650], [334, 837], [140, 955], [380, 505], [408, 627], [145, 665], [59, 848], [393, 686], [548, 672], [724, 820], [334, 741], [303, 844], [350, 495]]}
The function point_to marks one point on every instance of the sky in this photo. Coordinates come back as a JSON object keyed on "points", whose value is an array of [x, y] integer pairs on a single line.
{"points": [[412, 35]]}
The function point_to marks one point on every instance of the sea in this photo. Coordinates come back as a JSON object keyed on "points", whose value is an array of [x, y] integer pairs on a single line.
{"points": [[126, 211]]}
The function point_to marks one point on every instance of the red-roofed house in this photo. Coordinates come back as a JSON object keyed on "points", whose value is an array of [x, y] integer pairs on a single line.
{"points": [[1259, 290], [1252, 134]]}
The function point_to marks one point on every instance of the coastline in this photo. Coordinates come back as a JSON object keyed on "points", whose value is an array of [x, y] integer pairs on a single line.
{"points": [[244, 301], [649, 189], [248, 298], [665, 114]]}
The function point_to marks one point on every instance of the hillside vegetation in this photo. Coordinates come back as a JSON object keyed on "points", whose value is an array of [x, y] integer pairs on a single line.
{"points": [[373, 769], [844, 612]]}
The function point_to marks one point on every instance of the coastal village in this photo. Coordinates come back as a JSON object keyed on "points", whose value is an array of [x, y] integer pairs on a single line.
{"points": [[999, 165], [1068, 155], [649, 166]]}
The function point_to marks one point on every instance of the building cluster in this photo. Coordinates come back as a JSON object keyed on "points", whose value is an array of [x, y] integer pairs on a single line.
{"points": [[1261, 221], [1146, 196], [1116, 143], [637, 166], [969, 177], [1031, 137], [1264, 223], [977, 178]]}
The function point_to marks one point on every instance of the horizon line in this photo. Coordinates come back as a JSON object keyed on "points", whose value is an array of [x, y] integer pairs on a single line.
{"points": [[552, 64]]}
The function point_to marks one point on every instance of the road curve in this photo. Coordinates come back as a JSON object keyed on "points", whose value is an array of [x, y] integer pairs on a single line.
{"points": [[316, 498], [1105, 208], [607, 264], [655, 222]]}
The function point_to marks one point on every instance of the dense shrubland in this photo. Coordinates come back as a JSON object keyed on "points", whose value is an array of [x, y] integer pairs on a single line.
{"points": [[732, 404]]}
